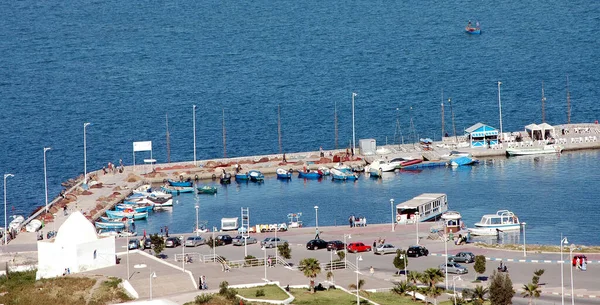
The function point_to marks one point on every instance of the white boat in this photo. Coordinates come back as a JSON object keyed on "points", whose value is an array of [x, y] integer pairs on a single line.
{"points": [[16, 222], [384, 166], [492, 224], [33, 225], [455, 154], [546, 149], [229, 224], [343, 167], [428, 206], [324, 170]]}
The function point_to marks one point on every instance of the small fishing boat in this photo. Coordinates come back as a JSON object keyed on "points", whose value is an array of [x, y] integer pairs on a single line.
{"points": [[187, 183], [284, 173], [225, 178], [33, 225], [492, 224], [374, 172], [108, 219], [207, 189], [16, 222], [177, 189], [325, 170], [121, 214], [474, 30], [343, 167], [256, 176], [110, 225], [460, 161], [337, 174], [410, 162], [242, 177], [352, 177], [383, 165], [308, 174], [546, 149]]}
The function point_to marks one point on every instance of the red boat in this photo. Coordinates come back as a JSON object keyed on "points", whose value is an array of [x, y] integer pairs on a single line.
{"points": [[410, 162]]}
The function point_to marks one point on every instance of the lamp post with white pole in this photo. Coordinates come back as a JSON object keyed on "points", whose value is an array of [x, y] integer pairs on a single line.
{"points": [[346, 250], [197, 208], [565, 241], [214, 248], [45, 176], [353, 134], [571, 248], [317, 217], [445, 238], [393, 218], [500, 109], [417, 225], [454, 278], [265, 257], [358, 258], [152, 275], [85, 153], [194, 123], [524, 243], [5, 219]]}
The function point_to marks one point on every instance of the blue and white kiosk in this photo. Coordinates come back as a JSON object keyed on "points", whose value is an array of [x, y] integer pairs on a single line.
{"points": [[480, 135]]}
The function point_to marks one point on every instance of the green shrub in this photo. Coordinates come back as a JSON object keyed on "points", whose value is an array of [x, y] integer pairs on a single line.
{"points": [[260, 293], [203, 299]]}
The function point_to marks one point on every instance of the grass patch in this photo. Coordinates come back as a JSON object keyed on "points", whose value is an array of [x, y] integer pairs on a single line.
{"points": [[22, 288], [333, 296], [109, 292], [272, 292], [385, 298]]}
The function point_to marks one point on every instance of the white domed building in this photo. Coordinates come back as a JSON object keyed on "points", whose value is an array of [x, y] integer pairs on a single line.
{"points": [[76, 247]]}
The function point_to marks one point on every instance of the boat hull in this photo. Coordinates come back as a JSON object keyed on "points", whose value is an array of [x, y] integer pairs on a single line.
{"points": [[493, 230], [110, 225], [207, 190], [177, 190], [309, 175], [242, 177], [180, 183], [549, 149]]}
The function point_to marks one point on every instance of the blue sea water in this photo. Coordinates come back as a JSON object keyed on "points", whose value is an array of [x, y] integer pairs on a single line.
{"points": [[124, 66]]}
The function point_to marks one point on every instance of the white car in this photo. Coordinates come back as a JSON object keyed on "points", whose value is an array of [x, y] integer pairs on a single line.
{"points": [[385, 249], [271, 242], [194, 241]]}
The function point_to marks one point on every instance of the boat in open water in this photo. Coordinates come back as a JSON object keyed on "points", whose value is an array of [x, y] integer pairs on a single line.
{"points": [[492, 224]]}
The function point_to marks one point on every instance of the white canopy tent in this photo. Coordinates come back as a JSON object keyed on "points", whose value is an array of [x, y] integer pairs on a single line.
{"points": [[541, 131]]}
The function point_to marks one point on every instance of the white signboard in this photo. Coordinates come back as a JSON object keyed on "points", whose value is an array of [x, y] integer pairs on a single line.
{"points": [[142, 146]]}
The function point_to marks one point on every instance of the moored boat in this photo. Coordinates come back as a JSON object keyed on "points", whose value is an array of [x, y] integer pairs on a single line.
{"points": [[425, 207], [225, 178], [256, 176], [242, 177], [187, 183], [324, 170], [460, 161], [16, 222], [382, 165], [33, 225], [410, 162], [110, 225], [284, 173], [492, 224], [337, 174], [308, 174], [207, 189], [177, 189], [343, 167], [546, 149]]}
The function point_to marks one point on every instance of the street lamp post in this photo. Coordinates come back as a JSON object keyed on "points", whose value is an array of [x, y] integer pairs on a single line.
{"points": [[152, 275], [446, 258], [317, 217], [500, 109], [197, 208], [524, 243], [417, 225], [346, 250], [265, 258], [5, 219], [563, 240], [45, 176], [571, 248], [214, 249], [194, 123], [454, 278], [353, 134], [85, 154], [393, 219], [358, 258]]}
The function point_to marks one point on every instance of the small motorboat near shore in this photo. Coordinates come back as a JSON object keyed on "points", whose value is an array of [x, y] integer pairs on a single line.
{"points": [[256, 176], [492, 224], [284, 173], [33, 226]]}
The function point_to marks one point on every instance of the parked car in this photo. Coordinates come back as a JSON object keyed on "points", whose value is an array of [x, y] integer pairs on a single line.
{"points": [[316, 244], [239, 240], [172, 242], [416, 251], [194, 241], [581, 258], [385, 249], [134, 244], [462, 257], [358, 247], [147, 243], [453, 268], [335, 245], [223, 239], [271, 242]]}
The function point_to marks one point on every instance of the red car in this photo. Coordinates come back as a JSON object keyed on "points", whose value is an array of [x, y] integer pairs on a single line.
{"points": [[581, 258], [358, 247]]}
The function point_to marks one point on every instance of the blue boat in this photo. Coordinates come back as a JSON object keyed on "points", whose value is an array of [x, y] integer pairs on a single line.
{"points": [[309, 174], [242, 177], [256, 176], [473, 30], [182, 183], [110, 225], [352, 177], [284, 174], [460, 161], [177, 189], [337, 174], [137, 208], [107, 219]]}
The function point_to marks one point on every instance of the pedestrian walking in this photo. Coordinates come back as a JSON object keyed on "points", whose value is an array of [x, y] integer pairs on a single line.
{"points": [[200, 286], [350, 221], [374, 244], [578, 263], [65, 210], [372, 270]]}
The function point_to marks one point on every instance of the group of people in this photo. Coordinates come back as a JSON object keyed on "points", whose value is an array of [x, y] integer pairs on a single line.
{"points": [[112, 168], [381, 241], [11, 234], [202, 283], [581, 264], [355, 221], [270, 261]]}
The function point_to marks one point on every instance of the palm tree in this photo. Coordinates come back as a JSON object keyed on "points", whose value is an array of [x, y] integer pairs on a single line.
{"points": [[413, 277], [531, 291], [311, 268], [432, 276], [401, 287], [361, 283], [478, 294], [434, 292]]}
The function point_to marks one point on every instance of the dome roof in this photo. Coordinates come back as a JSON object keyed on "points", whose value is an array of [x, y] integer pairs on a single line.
{"points": [[76, 230]]}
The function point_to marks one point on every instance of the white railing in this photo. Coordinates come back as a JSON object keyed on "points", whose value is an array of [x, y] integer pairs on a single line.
{"points": [[191, 257]]}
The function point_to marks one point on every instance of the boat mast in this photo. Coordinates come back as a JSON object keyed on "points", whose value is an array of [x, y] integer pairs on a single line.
{"points": [[279, 127], [335, 124], [453, 126], [543, 104], [568, 103], [168, 140], [398, 133], [443, 114], [224, 136], [413, 132]]}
